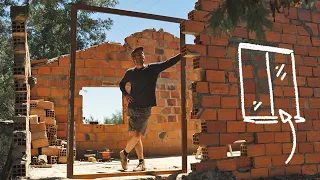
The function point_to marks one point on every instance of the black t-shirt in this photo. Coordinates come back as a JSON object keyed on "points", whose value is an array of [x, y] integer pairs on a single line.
{"points": [[143, 82]]}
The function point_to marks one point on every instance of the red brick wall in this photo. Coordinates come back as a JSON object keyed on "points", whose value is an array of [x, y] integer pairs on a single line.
{"points": [[104, 65], [217, 104]]}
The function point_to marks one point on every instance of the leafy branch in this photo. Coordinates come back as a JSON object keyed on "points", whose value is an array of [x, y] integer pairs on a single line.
{"points": [[253, 13]]}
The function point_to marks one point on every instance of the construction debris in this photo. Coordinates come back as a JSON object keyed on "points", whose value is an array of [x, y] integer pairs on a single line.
{"points": [[46, 147]]}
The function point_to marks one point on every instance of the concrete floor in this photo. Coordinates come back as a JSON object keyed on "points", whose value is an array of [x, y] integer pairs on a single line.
{"points": [[58, 171]]}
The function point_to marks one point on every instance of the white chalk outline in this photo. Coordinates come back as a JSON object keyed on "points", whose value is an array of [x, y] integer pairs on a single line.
{"points": [[257, 105], [280, 71], [272, 119], [267, 49], [285, 120], [270, 83]]}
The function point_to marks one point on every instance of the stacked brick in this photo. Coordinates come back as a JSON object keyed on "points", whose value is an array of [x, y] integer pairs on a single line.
{"points": [[43, 129], [216, 96], [43, 120], [21, 71]]}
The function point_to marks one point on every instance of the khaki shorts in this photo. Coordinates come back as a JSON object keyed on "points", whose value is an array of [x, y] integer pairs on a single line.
{"points": [[138, 119]]}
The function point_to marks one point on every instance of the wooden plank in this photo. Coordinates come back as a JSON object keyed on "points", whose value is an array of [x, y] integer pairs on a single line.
{"points": [[128, 13], [72, 81], [131, 173], [184, 141], [42, 166]]}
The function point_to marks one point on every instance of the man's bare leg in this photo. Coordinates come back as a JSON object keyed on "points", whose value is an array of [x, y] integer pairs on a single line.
{"points": [[139, 149], [133, 141], [130, 145]]}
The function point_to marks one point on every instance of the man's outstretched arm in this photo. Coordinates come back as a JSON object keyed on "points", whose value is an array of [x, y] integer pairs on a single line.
{"points": [[161, 66]]}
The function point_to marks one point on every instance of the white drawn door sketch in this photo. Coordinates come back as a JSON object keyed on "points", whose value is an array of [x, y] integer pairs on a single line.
{"points": [[283, 115], [272, 119]]}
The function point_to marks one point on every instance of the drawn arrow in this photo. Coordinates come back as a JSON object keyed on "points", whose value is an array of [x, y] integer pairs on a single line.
{"points": [[286, 117]]}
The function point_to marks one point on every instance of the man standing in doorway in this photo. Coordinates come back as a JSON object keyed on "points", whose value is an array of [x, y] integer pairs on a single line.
{"points": [[143, 80]]}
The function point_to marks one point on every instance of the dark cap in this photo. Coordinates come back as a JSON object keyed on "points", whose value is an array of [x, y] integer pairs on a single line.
{"points": [[136, 49]]}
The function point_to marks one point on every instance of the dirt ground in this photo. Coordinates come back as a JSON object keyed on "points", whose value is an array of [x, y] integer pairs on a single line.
{"points": [[58, 171]]}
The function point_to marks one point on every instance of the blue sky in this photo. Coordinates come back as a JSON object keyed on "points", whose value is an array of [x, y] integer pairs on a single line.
{"points": [[101, 102]]}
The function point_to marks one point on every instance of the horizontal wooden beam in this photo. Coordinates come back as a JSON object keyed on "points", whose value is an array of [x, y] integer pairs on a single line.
{"points": [[128, 13], [125, 173]]}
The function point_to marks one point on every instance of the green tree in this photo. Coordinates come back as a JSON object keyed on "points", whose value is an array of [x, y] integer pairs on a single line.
{"points": [[88, 120], [116, 118], [48, 36], [253, 13], [49, 27], [6, 62]]}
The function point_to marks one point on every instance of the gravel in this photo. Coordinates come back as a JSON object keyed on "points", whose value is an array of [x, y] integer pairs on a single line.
{"points": [[210, 175], [293, 177], [216, 175]]}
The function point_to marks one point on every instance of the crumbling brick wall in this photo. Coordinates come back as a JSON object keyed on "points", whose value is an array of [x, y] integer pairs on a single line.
{"points": [[21, 141], [104, 65], [216, 95]]}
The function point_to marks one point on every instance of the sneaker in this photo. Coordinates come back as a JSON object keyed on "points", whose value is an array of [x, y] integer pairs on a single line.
{"points": [[141, 167], [124, 160]]}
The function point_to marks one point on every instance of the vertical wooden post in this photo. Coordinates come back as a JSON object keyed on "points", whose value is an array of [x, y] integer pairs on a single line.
{"points": [[184, 145], [71, 121]]}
